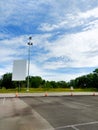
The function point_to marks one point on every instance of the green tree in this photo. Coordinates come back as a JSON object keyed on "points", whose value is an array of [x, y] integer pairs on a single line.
{"points": [[53, 84], [0, 83], [72, 83], [35, 81], [47, 85], [95, 71], [7, 81], [62, 84]]}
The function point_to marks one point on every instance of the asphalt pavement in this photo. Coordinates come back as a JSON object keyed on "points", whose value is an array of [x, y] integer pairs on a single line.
{"points": [[76, 112], [67, 113]]}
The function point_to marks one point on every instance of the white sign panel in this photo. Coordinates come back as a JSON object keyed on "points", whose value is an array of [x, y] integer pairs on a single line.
{"points": [[19, 70]]}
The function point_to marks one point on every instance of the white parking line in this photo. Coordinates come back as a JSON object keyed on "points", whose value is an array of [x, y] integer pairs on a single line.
{"points": [[88, 123], [75, 128], [75, 125]]}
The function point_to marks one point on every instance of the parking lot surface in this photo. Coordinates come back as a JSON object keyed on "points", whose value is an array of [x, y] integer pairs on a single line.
{"points": [[49, 113], [67, 113]]}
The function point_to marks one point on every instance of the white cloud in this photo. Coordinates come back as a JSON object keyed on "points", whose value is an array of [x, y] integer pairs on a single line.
{"points": [[35, 70], [12, 48], [49, 51], [89, 13], [72, 19], [7, 69], [78, 48], [61, 76]]}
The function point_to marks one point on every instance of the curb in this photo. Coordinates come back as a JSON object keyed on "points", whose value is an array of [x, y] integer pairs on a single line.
{"points": [[50, 94]]}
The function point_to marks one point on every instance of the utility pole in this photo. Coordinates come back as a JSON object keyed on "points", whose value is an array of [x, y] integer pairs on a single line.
{"points": [[29, 44]]}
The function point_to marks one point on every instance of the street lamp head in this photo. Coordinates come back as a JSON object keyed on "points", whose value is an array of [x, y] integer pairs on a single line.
{"points": [[30, 38], [29, 43]]}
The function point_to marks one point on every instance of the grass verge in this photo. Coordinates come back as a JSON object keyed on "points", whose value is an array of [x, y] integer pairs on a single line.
{"points": [[38, 90]]}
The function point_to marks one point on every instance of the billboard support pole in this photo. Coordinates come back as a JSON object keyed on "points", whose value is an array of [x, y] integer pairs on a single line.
{"points": [[19, 87]]}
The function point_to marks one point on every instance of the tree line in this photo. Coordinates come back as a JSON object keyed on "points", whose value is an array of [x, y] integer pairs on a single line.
{"points": [[85, 81], [34, 82]]}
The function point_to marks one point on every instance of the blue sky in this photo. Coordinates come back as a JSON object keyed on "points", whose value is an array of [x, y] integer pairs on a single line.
{"points": [[64, 35]]}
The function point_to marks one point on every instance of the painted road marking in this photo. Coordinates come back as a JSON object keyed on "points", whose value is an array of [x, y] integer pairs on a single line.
{"points": [[74, 128], [75, 125]]}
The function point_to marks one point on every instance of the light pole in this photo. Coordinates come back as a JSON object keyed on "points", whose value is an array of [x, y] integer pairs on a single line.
{"points": [[29, 44]]}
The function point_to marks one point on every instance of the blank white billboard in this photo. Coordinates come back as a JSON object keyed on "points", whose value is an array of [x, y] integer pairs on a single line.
{"points": [[19, 70]]}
